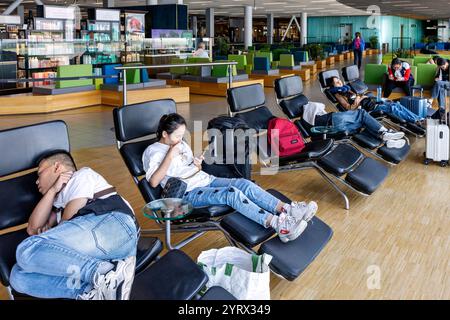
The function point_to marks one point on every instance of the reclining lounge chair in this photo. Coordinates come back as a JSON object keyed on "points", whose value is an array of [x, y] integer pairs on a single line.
{"points": [[363, 175], [373, 145], [289, 260], [174, 276], [351, 77]]}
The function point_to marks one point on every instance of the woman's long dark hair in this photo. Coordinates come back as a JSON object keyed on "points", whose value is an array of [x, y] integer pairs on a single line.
{"points": [[169, 123]]}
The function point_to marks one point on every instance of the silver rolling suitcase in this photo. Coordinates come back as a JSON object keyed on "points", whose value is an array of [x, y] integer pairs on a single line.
{"points": [[438, 141]]}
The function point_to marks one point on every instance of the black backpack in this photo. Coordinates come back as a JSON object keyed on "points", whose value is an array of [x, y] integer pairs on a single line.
{"points": [[234, 170]]}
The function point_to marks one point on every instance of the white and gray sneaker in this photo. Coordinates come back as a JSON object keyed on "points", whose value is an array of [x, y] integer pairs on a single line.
{"points": [[94, 294], [302, 210], [392, 135], [116, 284], [287, 227], [397, 144]]}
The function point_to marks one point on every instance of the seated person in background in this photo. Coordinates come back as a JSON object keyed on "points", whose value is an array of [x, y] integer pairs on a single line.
{"points": [[83, 237], [201, 52], [399, 75], [172, 157], [350, 100], [351, 121], [441, 83]]}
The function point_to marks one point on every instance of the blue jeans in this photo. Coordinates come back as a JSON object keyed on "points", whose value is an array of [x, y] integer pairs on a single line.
{"points": [[438, 91], [398, 111], [357, 57], [62, 262], [241, 194], [352, 121]]}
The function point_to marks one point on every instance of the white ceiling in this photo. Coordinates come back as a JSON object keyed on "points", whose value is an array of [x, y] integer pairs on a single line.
{"points": [[281, 8]]}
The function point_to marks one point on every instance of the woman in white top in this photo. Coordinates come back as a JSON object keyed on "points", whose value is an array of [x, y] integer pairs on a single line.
{"points": [[172, 157]]}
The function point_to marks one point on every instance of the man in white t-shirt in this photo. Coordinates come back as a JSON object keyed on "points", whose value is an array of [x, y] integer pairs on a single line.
{"points": [[83, 237], [201, 52]]}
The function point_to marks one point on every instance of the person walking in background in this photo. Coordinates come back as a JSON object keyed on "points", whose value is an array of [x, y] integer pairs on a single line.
{"points": [[358, 45]]}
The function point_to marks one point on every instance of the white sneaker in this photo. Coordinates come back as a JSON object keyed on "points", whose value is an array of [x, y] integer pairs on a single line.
{"points": [[94, 294], [392, 135], [116, 284], [288, 228], [398, 144], [302, 210]]}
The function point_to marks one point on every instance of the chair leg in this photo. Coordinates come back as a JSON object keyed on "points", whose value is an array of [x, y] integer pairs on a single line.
{"points": [[335, 187]]}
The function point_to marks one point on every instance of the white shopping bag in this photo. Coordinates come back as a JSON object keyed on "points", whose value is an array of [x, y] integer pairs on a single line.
{"points": [[245, 275]]}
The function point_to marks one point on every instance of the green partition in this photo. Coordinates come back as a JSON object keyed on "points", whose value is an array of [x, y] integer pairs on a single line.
{"points": [[422, 59], [445, 56], [374, 73], [196, 71], [178, 70], [222, 71], [265, 55], [240, 59], [287, 60], [133, 75], [250, 57], [278, 52], [79, 70], [426, 74]]}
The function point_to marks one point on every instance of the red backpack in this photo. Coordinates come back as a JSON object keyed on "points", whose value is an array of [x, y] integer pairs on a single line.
{"points": [[290, 140]]}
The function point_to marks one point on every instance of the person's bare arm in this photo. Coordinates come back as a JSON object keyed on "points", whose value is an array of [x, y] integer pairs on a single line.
{"points": [[41, 215], [343, 102], [72, 208], [161, 172]]}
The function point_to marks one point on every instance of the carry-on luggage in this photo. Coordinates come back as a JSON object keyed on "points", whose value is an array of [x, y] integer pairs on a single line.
{"points": [[288, 141], [417, 105], [438, 141]]}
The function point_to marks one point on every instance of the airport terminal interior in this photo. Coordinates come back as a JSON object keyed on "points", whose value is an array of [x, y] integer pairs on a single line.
{"points": [[355, 91]]}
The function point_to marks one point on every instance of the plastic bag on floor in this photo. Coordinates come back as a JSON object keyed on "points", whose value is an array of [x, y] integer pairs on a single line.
{"points": [[245, 275]]}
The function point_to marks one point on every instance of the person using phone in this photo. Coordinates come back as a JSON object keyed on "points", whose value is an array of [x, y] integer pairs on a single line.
{"points": [[172, 157], [399, 75]]}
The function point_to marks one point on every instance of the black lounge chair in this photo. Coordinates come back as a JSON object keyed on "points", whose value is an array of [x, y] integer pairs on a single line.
{"points": [[289, 260], [173, 276], [374, 146], [363, 175]]}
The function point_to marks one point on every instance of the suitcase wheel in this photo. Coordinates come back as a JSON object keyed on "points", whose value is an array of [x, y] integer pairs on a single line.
{"points": [[426, 162], [444, 163]]}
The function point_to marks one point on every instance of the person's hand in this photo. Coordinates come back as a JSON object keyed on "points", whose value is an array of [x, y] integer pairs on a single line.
{"points": [[391, 77], [43, 229], [401, 79], [61, 181], [436, 79], [198, 161], [174, 150]]}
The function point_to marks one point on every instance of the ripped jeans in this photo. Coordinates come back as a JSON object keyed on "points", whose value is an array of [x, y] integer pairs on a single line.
{"points": [[62, 262]]}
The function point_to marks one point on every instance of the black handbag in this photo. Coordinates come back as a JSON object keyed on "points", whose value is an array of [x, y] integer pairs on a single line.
{"points": [[174, 188]]}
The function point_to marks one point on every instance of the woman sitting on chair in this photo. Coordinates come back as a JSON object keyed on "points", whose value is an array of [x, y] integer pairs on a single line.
{"points": [[350, 100], [172, 157]]}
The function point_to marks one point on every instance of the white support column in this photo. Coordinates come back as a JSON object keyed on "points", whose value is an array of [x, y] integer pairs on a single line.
{"points": [[270, 27], [108, 4], [21, 13], [248, 26], [210, 22], [304, 29], [194, 25]]}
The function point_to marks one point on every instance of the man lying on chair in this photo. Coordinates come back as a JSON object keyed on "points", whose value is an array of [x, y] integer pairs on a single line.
{"points": [[351, 121], [350, 100], [83, 237], [172, 157]]}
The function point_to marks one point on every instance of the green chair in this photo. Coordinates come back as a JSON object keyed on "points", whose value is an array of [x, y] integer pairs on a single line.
{"points": [[374, 73], [445, 56], [409, 61], [414, 73], [178, 70], [198, 71], [423, 59], [240, 59], [278, 52], [387, 58], [287, 61], [222, 71], [78, 70], [426, 74]]}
